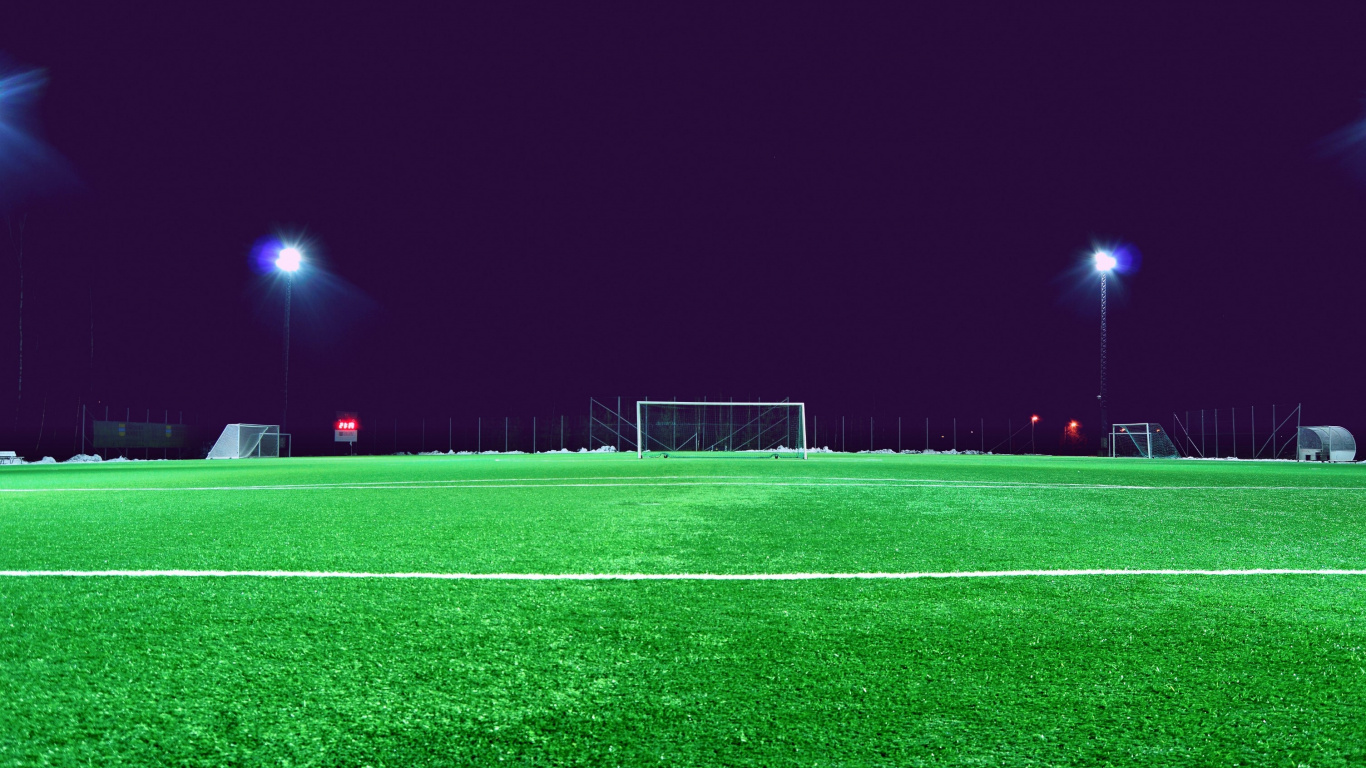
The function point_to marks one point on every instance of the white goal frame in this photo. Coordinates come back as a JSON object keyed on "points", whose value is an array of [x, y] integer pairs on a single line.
{"points": [[230, 444], [1134, 432], [640, 435]]}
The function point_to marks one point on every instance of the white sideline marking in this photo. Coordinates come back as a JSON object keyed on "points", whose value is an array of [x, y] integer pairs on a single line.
{"points": [[704, 576], [417, 485]]}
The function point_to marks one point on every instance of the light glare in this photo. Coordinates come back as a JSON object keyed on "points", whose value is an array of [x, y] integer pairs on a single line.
{"points": [[290, 259], [1105, 262]]}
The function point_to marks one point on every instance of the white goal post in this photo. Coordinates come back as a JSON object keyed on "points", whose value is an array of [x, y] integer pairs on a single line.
{"points": [[1143, 440], [668, 427], [250, 441]]}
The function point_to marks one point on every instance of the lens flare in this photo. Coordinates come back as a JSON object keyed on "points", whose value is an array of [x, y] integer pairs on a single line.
{"points": [[290, 259], [28, 166]]}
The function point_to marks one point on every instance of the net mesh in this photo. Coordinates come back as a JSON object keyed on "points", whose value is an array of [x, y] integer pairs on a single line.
{"points": [[242, 441], [722, 428], [1142, 440]]}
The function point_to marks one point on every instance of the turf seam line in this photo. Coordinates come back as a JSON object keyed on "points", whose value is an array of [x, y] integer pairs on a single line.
{"points": [[872, 575]]}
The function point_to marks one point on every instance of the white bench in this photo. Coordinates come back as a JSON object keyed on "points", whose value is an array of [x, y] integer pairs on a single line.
{"points": [[8, 457]]}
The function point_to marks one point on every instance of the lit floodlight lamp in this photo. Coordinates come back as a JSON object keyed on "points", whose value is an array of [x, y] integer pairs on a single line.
{"points": [[289, 259], [1105, 261]]}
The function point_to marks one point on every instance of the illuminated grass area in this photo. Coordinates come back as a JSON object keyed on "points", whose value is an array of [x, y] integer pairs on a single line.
{"points": [[1025, 670]]}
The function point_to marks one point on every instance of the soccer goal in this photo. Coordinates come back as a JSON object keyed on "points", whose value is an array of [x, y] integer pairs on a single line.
{"points": [[671, 428], [1144, 440], [249, 441]]}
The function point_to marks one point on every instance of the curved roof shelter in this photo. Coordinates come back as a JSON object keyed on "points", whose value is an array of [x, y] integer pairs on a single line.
{"points": [[1325, 444]]}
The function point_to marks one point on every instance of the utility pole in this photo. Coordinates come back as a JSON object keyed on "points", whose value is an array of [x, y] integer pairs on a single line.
{"points": [[1104, 423], [19, 256]]}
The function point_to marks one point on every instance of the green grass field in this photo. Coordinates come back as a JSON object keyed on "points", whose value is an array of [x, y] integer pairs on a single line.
{"points": [[1003, 670]]}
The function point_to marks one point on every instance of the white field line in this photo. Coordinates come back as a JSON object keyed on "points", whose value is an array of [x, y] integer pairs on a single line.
{"points": [[482, 484], [696, 576]]}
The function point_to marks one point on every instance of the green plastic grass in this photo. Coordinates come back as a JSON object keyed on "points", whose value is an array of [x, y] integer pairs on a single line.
{"points": [[1127, 670]]}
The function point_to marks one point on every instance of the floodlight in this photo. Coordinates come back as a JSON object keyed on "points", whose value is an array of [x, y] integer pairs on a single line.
{"points": [[289, 259], [1034, 419], [1105, 262]]}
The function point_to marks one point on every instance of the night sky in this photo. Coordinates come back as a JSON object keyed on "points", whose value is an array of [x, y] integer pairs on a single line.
{"points": [[878, 211]]}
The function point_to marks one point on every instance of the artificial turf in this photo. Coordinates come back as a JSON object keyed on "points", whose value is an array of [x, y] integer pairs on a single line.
{"points": [[1247, 670]]}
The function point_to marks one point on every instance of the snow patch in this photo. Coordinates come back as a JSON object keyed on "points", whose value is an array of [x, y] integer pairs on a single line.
{"points": [[84, 458]]}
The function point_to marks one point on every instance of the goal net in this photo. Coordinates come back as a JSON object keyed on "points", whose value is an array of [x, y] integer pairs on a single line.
{"points": [[1144, 440], [712, 429], [247, 441]]}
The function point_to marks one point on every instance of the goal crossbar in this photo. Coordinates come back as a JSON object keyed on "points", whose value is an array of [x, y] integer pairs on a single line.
{"points": [[1142, 439], [755, 421]]}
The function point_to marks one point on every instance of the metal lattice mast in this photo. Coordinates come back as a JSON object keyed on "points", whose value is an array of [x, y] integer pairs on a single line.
{"points": [[289, 289], [1104, 421]]}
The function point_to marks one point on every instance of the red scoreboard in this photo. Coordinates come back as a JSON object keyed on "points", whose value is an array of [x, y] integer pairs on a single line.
{"points": [[345, 427]]}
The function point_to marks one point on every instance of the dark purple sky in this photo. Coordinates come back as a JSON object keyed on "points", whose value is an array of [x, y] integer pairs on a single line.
{"points": [[874, 211]]}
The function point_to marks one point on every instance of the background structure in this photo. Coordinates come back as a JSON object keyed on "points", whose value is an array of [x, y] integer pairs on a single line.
{"points": [[877, 214]]}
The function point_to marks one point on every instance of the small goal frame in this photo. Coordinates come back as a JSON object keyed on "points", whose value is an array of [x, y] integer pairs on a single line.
{"points": [[230, 445], [799, 407], [1139, 433]]}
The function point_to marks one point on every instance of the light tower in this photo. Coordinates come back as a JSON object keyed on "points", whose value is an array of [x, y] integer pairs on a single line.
{"points": [[288, 261], [1105, 264]]}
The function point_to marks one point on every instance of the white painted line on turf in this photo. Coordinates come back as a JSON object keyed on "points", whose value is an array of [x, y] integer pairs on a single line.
{"points": [[175, 573], [460, 484]]}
